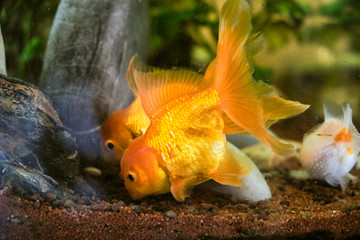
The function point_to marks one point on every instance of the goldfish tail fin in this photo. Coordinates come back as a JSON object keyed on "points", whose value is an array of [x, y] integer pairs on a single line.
{"points": [[210, 71], [276, 107], [232, 167], [240, 95]]}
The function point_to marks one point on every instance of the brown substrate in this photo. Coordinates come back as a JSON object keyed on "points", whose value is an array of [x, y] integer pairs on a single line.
{"points": [[300, 209]]}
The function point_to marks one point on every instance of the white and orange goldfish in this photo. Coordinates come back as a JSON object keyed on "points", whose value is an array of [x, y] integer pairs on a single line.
{"points": [[330, 150], [190, 114]]}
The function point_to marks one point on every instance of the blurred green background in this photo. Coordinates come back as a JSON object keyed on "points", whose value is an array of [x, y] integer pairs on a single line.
{"points": [[311, 49]]}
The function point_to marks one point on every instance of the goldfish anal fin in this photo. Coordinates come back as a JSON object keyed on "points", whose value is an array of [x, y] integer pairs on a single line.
{"points": [[181, 188], [158, 88], [234, 166], [275, 107]]}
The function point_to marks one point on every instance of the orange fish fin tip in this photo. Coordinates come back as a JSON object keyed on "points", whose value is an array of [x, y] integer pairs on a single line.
{"points": [[278, 108], [280, 147], [159, 87], [232, 168], [181, 188]]}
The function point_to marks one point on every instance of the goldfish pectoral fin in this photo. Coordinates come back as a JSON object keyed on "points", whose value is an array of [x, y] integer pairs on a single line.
{"points": [[234, 166], [181, 188], [276, 107]]}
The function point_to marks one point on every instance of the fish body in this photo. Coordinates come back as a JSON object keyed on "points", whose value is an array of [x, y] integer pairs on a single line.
{"points": [[330, 150], [190, 114], [188, 133]]}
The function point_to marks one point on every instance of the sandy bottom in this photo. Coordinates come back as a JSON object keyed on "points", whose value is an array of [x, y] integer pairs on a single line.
{"points": [[300, 209]]}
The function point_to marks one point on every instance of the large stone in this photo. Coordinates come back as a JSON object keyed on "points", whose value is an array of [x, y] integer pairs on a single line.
{"points": [[37, 153], [88, 52]]}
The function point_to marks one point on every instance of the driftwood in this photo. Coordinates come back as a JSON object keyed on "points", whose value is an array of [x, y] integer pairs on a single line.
{"points": [[37, 153], [85, 64], [2, 55]]}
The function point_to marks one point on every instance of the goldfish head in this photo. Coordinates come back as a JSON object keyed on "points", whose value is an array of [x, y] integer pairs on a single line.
{"points": [[141, 172], [115, 137]]}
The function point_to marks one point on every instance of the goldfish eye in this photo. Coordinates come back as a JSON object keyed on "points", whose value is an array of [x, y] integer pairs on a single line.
{"points": [[131, 177], [109, 145]]}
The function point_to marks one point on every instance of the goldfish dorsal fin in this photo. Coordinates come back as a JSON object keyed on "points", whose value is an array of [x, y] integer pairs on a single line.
{"points": [[332, 111], [138, 65], [181, 188], [347, 114], [159, 87], [232, 167]]}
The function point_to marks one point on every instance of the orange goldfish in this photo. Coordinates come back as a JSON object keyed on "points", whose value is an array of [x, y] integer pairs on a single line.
{"points": [[190, 114], [120, 129]]}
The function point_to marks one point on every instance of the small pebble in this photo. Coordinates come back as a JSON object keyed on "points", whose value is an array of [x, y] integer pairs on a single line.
{"points": [[252, 205], [83, 200], [85, 207], [350, 208], [101, 206], [15, 220], [5, 191], [56, 203], [116, 206], [36, 197], [137, 209], [93, 171], [69, 204], [263, 216], [307, 214], [37, 204], [50, 197], [250, 217], [171, 214], [286, 203]]}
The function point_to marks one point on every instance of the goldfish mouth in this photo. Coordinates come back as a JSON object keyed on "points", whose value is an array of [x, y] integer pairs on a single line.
{"points": [[136, 195]]}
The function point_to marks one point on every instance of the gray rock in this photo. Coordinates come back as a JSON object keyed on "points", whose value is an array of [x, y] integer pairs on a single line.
{"points": [[38, 154], [171, 214], [86, 60]]}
